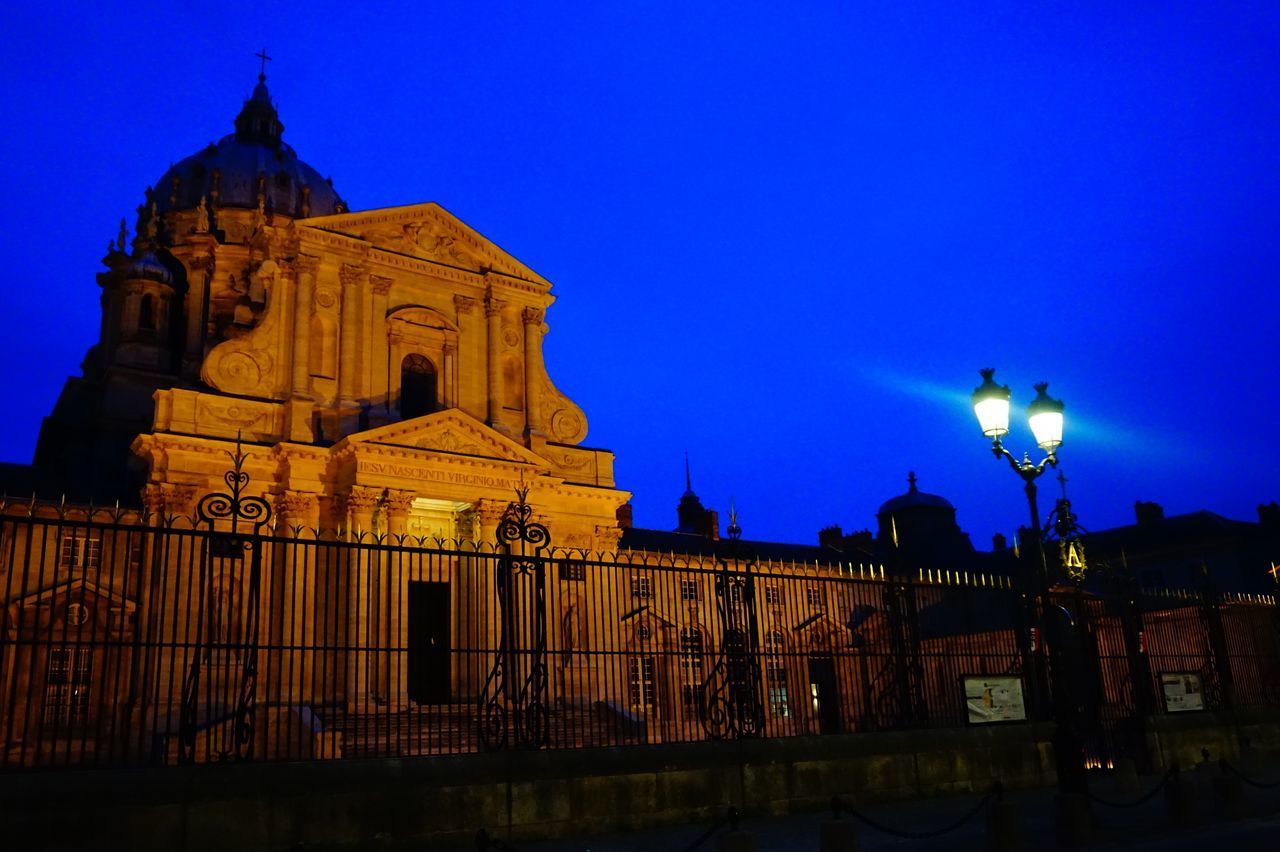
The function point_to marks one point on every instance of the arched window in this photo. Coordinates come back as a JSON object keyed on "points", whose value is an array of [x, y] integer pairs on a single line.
{"points": [[147, 313], [417, 386], [692, 655]]}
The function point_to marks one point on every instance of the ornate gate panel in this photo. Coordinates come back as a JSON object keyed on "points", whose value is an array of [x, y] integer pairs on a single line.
{"points": [[731, 704], [220, 689], [514, 709]]}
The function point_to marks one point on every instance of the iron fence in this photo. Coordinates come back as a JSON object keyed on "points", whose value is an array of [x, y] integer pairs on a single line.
{"points": [[143, 640]]}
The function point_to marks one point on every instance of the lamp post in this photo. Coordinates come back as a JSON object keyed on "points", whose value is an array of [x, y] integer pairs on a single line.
{"points": [[1044, 415]]}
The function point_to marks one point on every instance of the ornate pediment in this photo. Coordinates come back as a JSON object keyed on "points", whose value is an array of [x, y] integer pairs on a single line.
{"points": [[428, 232], [450, 431]]}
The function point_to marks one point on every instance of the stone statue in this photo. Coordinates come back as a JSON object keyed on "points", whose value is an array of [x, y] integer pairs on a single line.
{"points": [[122, 236], [202, 217], [260, 214], [152, 225]]}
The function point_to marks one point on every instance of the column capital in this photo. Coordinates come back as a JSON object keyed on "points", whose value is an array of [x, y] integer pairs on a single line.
{"points": [[399, 502], [493, 307], [352, 274], [362, 498], [464, 304], [532, 316], [306, 264], [381, 285]]}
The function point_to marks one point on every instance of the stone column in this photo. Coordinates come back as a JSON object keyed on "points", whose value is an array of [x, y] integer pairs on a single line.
{"points": [[448, 385], [352, 277], [532, 318], [478, 600], [202, 267], [493, 314], [306, 266], [379, 389], [362, 599], [292, 591], [393, 684], [470, 355], [354, 280]]}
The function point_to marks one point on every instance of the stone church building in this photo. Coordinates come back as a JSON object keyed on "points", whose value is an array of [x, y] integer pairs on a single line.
{"points": [[383, 368]]}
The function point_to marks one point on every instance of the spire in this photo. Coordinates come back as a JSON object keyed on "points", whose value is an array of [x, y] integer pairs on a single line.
{"points": [[688, 480]]}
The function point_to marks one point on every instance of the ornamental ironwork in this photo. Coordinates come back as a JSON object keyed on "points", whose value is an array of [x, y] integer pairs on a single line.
{"points": [[514, 708], [226, 630], [731, 704]]}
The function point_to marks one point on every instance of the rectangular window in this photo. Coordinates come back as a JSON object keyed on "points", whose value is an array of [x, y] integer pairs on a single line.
{"points": [[68, 677], [691, 698], [80, 550], [688, 590], [779, 705], [814, 595], [772, 595], [641, 678], [642, 587], [573, 571]]}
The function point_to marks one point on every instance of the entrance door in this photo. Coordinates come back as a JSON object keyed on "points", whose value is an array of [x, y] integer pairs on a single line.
{"points": [[429, 643], [825, 694]]}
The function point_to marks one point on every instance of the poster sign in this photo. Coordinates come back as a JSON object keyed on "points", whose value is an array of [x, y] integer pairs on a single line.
{"points": [[993, 698], [1183, 691]]}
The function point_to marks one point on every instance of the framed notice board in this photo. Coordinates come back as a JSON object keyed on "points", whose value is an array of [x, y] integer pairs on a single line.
{"points": [[991, 699], [1183, 692]]}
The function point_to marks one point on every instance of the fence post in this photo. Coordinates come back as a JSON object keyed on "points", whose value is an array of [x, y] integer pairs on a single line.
{"points": [[1211, 616]]}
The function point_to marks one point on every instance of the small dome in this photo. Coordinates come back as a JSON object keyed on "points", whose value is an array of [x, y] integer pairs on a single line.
{"points": [[914, 498], [149, 267], [254, 159]]}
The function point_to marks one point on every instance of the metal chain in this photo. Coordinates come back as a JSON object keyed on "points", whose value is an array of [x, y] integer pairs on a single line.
{"points": [[839, 805], [1261, 785], [1143, 799]]}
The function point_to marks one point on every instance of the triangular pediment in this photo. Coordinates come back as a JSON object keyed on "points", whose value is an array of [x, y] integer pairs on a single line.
{"points": [[449, 431], [428, 232], [75, 588]]}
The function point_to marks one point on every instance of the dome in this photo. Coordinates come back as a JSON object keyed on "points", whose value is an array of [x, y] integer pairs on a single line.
{"points": [[148, 266], [231, 172], [914, 498]]}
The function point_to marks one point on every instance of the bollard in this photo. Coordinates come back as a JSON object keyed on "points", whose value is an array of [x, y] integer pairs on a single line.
{"points": [[838, 835], [1126, 775], [1074, 818], [1004, 828], [1180, 801], [1228, 792]]}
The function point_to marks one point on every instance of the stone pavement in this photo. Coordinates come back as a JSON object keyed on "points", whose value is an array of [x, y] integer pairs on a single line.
{"points": [[1146, 826]]}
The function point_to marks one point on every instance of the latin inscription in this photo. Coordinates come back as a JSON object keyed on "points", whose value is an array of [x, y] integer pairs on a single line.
{"points": [[406, 471]]}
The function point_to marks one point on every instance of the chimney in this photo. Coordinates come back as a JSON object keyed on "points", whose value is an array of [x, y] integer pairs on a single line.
{"points": [[832, 537], [999, 543], [1148, 513], [624, 516], [1269, 516]]}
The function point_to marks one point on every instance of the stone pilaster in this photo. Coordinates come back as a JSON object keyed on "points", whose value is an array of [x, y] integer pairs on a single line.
{"points": [[493, 316], [379, 387], [470, 395], [300, 407]]}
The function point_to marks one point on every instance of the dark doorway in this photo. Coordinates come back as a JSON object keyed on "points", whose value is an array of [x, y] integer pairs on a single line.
{"points": [[429, 643], [417, 386], [825, 694]]}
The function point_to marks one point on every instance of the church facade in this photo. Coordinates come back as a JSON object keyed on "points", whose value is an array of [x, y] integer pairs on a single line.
{"points": [[383, 369]]}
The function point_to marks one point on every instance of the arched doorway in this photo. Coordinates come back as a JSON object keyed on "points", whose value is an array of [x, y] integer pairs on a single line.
{"points": [[417, 386]]}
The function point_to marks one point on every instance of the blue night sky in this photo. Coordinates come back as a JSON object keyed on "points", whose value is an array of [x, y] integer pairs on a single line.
{"points": [[782, 240]]}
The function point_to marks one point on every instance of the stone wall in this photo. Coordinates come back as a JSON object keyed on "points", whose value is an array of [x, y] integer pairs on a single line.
{"points": [[391, 804]]}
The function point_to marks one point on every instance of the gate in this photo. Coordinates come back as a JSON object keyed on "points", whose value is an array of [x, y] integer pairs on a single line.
{"points": [[219, 693]]}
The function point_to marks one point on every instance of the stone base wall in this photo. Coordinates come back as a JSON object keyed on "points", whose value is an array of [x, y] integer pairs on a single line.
{"points": [[442, 801], [1182, 737]]}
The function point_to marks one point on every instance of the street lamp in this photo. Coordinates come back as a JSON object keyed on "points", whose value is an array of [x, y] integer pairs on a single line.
{"points": [[1044, 415]]}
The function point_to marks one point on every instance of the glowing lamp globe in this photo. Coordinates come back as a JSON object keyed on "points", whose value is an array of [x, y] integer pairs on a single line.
{"points": [[991, 404], [1045, 417]]}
